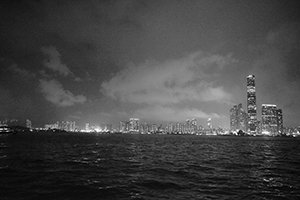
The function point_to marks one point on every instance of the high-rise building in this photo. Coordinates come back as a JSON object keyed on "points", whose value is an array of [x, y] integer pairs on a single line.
{"points": [[279, 121], [238, 119], [28, 124], [87, 127], [233, 118], [269, 119], [73, 126], [209, 124], [170, 127], [127, 126], [154, 128], [258, 128], [194, 125], [251, 104], [177, 127], [134, 124], [187, 126], [242, 118], [147, 128], [122, 126]]}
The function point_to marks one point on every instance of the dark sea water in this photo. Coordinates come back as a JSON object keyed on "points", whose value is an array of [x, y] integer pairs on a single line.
{"points": [[78, 166]]}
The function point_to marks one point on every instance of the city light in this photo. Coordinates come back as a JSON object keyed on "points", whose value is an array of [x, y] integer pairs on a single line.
{"points": [[242, 123]]}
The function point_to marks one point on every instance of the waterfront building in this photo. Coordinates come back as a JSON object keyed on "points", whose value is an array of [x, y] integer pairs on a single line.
{"points": [[154, 128], [142, 128], [209, 124], [258, 128], [52, 126], [147, 128], [72, 126], [87, 127], [269, 119], [279, 121], [200, 129], [108, 127], [124, 126], [176, 128], [238, 119], [170, 127], [233, 119], [28, 124], [251, 104], [134, 124], [194, 125], [188, 126]]}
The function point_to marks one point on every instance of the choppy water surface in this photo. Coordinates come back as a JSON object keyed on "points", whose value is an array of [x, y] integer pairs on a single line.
{"points": [[76, 166]]}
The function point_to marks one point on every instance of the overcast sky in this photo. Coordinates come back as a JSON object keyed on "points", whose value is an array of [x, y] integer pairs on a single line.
{"points": [[160, 61]]}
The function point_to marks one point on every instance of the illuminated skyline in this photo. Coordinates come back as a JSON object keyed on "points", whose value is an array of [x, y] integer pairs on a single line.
{"points": [[159, 61]]}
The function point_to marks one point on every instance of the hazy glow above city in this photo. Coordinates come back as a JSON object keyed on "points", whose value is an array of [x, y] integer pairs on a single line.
{"points": [[102, 62]]}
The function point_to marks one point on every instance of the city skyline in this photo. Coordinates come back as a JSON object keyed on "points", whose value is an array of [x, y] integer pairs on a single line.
{"points": [[240, 120], [158, 61]]}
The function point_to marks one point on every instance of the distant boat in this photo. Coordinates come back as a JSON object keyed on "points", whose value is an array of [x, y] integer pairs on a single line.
{"points": [[12, 130], [6, 131]]}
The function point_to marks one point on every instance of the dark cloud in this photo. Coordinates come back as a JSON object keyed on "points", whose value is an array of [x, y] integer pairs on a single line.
{"points": [[47, 46], [54, 62], [277, 69], [23, 72]]}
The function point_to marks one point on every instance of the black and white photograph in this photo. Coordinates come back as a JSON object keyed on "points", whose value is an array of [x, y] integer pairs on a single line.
{"points": [[149, 99]]}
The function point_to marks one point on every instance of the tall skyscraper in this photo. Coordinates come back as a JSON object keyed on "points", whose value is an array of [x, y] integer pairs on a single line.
{"points": [[251, 104], [238, 119], [269, 119]]}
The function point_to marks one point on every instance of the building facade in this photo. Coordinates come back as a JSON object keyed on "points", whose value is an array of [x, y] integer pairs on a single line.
{"points": [[28, 124], [238, 119], [279, 121], [134, 124], [251, 104], [269, 119]]}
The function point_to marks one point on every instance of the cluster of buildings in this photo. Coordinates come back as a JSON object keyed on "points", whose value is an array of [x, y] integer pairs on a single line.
{"points": [[9, 122], [134, 126], [246, 122], [69, 126], [188, 127], [103, 128], [242, 121]]}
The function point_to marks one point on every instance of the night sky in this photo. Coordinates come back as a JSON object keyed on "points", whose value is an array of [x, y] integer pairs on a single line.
{"points": [[160, 61]]}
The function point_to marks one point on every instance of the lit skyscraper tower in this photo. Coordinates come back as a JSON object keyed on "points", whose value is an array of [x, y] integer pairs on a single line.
{"points": [[251, 103], [238, 119], [269, 119]]}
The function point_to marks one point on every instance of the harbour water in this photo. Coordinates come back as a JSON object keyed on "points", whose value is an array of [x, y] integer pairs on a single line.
{"points": [[79, 166]]}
